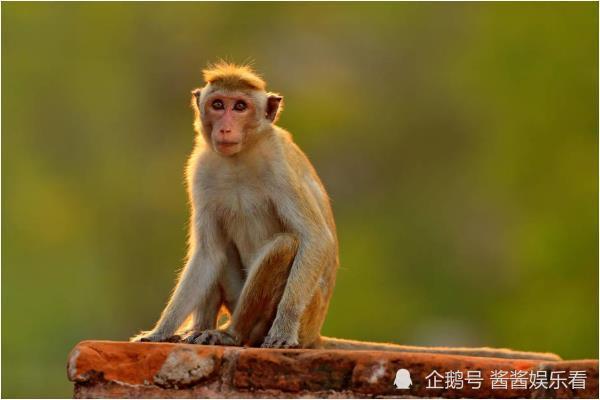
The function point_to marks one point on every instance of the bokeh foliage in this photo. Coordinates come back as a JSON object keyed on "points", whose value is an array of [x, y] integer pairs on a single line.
{"points": [[458, 143]]}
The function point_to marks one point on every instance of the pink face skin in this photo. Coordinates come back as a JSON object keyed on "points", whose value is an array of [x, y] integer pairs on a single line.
{"points": [[229, 115]]}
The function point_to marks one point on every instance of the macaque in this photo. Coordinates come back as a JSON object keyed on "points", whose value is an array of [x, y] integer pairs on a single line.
{"points": [[263, 247]]}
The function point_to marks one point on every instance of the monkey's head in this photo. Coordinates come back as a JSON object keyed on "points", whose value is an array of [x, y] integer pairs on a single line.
{"points": [[233, 109]]}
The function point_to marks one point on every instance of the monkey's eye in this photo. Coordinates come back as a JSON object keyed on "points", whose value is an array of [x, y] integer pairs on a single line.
{"points": [[240, 106], [218, 105]]}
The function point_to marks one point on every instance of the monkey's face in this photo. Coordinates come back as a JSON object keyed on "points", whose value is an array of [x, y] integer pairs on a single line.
{"points": [[229, 117]]}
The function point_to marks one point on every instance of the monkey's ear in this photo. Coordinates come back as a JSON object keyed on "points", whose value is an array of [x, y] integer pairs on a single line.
{"points": [[274, 107], [197, 93], [195, 101]]}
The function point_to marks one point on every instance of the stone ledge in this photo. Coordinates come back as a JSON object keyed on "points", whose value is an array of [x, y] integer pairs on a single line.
{"points": [[168, 370]]}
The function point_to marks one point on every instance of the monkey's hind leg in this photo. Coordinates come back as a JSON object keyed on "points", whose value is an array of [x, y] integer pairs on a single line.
{"points": [[262, 291]]}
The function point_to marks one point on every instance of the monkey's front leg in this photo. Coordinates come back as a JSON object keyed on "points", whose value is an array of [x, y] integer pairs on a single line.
{"points": [[262, 291], [196, 282], [205, 315], [226, 294]]}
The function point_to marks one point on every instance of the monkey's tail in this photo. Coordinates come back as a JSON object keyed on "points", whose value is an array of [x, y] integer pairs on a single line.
{"points": [[344, 344]]}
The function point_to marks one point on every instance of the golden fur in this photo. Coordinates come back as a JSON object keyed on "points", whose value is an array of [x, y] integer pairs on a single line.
{"points": [[232, 77]]}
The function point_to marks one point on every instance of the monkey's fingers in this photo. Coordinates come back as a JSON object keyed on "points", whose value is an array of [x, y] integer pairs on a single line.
{"points": [[279, 343], [173, 339], [192, 338]]}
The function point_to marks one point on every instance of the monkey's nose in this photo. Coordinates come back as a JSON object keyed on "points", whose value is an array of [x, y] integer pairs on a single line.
{"points": [[225, 131]]}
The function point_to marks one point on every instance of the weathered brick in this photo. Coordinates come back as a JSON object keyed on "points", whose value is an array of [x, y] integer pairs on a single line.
{"points": [[293, 370], [161, 364], [169, 370]]}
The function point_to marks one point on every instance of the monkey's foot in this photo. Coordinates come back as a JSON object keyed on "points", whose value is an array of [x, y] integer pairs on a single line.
{"points": [[279, 343], [214, 337], [190, 336], [148, 336]]}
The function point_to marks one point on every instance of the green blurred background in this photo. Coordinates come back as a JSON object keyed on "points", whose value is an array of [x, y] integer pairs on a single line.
{"points": [[457, 141]]}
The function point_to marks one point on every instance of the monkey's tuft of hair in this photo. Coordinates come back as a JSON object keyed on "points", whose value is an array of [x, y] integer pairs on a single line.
{"points": [[231, 76]]}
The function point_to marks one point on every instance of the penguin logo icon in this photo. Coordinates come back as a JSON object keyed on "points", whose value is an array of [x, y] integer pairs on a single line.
{"points": [[402, 380]]}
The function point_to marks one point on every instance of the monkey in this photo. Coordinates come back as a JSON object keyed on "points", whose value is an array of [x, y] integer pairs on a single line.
{"points": [[262, 240], [262, 245]]}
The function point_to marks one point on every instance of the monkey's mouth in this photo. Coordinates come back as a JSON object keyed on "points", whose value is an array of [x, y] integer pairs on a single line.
{"points": [[226, 144], [227, 148]]}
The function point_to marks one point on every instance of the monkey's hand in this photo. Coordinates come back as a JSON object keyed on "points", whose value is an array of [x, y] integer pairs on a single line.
{"points": [[274, 341], [283, 334], [149, 336], [215, 337]]}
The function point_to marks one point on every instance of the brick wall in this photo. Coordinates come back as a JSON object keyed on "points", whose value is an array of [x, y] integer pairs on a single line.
{"points": [[168, 370]]}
